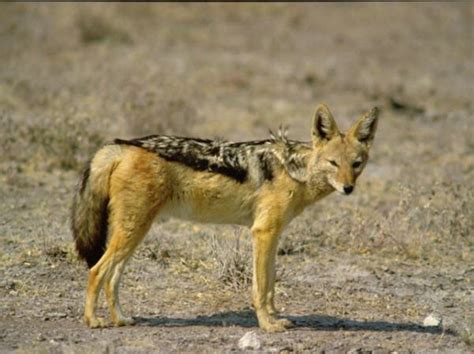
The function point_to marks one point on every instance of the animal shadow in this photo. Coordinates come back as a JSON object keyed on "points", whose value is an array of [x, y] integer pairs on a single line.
{"points": [[246, 318]]}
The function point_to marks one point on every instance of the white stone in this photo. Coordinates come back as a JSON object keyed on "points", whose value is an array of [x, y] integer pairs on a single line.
{"points": [[432, 321], [249, 341]]}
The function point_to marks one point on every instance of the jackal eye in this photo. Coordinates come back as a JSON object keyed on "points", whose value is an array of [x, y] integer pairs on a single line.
{"points": [[356, 164], [334, 163]]}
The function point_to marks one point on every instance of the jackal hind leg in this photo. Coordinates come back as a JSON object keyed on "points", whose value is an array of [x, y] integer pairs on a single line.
{"points": [[128, 228], [112, 295], [108, 271], [94, 285]]}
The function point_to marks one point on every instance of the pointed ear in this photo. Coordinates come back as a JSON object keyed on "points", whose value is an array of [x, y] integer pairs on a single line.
{"points": [[324, 125], [364, 129]]}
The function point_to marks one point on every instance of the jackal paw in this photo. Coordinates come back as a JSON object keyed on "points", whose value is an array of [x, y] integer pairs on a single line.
{"points": [[124, 321], [273, 327], [286, 323], [96, 322]]}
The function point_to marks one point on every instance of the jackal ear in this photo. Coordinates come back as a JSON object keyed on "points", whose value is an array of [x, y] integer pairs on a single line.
{"points": [[324, 125], [364, 129]]}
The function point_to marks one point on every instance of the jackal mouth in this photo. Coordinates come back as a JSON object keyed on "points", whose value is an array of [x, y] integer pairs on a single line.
{"points": [[341, 188], [345, 190]]}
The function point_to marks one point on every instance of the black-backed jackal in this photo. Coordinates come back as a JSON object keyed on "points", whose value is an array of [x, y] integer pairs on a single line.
{"points": [[261, 184]]}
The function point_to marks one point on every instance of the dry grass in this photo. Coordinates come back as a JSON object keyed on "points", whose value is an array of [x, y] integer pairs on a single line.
{"points": [[94, 28], [233, 260], [153, 113], [57, 142]]}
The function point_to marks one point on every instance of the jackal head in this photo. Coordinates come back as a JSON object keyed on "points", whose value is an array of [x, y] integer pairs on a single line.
{"points": [[340, 158]]}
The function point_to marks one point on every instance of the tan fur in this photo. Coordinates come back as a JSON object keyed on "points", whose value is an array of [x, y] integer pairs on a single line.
{"points": [[143, 186]]}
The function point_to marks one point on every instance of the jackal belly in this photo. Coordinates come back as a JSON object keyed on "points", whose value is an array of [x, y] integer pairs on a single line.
{"points": [[216, 208], [209, 198]]}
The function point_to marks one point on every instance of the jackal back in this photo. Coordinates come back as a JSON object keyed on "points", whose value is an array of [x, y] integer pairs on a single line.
{"points": [[242, 161]]}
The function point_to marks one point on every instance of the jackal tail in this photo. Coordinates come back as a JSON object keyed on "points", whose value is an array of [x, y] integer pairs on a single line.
{"points": [[90, 210]]}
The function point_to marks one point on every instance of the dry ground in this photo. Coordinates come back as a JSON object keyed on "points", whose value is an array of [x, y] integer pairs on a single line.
{"points": [[356, 274]]}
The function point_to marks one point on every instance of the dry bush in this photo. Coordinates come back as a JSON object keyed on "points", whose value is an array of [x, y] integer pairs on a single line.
{"points": [[156, 253], [297, 239], [64, 253], [233, 260], [93, 28], [428, 218], [63, 142], [150, 112], [467, 333], [426, 222]]}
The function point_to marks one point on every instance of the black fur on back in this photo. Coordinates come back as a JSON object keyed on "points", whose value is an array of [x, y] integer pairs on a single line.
{"points": [[227, 158]]}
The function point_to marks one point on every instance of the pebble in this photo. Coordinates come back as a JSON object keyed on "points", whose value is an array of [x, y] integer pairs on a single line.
{"points": [[250, 341], [432, 321], [51, 315]]}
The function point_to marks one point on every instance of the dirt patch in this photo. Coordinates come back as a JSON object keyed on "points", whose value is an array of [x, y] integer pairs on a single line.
{"points": [[355, 274]]}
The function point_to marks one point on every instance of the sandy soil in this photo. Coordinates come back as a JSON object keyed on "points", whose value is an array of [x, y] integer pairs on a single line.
{"points": [[357, 274]]}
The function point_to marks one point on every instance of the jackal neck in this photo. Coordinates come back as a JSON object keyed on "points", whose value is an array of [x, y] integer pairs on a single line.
{"points": [[317, 185]]}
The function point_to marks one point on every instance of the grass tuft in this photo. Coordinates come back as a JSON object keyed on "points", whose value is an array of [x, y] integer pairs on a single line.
{"points": [[93, 28], [233, 261]]}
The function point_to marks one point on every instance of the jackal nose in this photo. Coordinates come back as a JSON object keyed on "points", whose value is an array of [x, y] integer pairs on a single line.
{"points": [[348, 189]]}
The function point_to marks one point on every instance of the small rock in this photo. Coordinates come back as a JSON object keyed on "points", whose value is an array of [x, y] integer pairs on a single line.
{"points": [[59, 337], [9, 285], [53, 315], [432, 321], [250, 341]]}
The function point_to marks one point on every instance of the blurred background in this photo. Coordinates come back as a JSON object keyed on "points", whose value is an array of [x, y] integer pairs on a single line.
{"points": [[230, 70], [73, 76]]}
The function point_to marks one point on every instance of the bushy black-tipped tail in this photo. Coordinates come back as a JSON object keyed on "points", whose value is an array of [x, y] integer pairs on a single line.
{"points": [[90, 208]]}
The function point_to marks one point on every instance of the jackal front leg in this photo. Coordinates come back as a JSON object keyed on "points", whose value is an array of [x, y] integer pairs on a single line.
{"points": [[265, 245], [272, 310]]}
